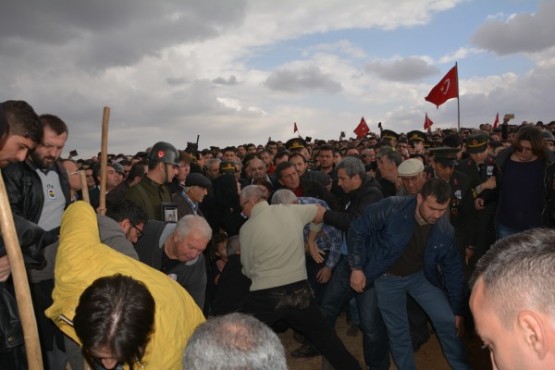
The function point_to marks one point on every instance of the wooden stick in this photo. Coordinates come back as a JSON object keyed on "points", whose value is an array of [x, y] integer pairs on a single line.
{"points": [[20, 281], [84, 186], [104, 160]]}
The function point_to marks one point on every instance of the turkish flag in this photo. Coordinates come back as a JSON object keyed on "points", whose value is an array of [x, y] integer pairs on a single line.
{"points": [[362, 129], [427, 123], [447, 88], [496, 122], [295, 129]]}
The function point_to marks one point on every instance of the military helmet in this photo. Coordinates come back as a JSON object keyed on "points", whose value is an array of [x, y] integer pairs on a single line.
{"points": [[163, 152]]}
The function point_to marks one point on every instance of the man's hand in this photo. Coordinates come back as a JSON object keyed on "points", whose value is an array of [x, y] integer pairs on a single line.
{"points": [[319, 218], [459, 324], [358, 281], [5, 270], [479, 204], [315, 252], [324, 275]]}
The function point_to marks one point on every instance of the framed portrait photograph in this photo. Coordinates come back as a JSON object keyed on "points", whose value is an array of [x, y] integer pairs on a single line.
{"points": [[169, 211]]}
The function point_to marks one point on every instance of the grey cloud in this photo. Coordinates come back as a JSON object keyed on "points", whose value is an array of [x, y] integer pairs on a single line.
{"points": [[406, 69], [113, 33], [176, 81], [309, 78], [232, 80], [527, 33]]}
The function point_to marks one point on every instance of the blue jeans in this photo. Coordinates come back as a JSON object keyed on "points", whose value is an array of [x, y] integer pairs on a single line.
{"points": [[337, 294], [392, 301]]}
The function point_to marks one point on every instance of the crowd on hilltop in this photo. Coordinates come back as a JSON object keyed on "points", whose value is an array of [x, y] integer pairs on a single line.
{"points": [[389, 227]]}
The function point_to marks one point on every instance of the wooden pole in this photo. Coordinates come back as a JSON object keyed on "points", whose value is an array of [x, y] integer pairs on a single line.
{"points": [[21, 283], [84, 186], [104, 160]]}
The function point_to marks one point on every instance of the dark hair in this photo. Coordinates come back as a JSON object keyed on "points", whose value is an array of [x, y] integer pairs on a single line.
{"points": [[534, 135], [282, 167], [437, 188], [127, 210], [116, 312], [297, 154], [22, 120], [136, 170], [326, 147], [54, 122], [352, 166], [280, 154]]}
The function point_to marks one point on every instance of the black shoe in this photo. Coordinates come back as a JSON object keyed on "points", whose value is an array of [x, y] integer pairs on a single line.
{"points": [[305, 351]]}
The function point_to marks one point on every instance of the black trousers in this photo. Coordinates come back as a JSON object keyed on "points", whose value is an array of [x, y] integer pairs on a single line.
{"points": [[295, 305]]}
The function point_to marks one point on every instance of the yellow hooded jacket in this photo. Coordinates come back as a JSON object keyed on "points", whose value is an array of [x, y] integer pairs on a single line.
{"points": [[82, 259]]}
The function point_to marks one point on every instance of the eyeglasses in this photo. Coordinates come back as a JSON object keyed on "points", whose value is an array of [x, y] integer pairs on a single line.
{"points": [[139, 231], [73, 173], [244, 203]]}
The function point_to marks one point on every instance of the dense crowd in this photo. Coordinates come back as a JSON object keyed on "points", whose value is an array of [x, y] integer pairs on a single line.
{"points": [[215, 222]]}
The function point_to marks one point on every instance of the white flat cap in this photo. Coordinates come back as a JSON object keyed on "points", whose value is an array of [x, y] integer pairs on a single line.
{"points": [[410, 167]]}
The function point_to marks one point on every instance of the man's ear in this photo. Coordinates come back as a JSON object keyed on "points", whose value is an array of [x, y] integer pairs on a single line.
{"points": [[533, 327], [125, 225]]}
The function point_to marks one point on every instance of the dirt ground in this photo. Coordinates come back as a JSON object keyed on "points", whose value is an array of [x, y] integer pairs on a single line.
{"points": [[428, 357]]}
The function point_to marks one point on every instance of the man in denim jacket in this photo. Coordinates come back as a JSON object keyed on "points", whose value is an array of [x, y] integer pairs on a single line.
{"points": [[405, 245]]}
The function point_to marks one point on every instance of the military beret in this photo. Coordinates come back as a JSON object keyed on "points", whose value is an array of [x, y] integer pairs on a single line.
{"points": [[452, 140], [547, 135], [295, 144], [389, 135], [445, 155], [227, 167], [416, 135], [477, 142]]}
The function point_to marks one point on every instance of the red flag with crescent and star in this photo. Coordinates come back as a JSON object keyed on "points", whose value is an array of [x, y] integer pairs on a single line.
{"points": [[447, 88], [496, 122], [427, 122], [295, 129], [362, 129]]}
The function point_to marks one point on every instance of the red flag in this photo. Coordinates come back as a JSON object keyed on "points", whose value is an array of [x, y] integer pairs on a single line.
{"points": [[447, 88], [427, 123], [362, 129], [496, 122], [295, 129]]}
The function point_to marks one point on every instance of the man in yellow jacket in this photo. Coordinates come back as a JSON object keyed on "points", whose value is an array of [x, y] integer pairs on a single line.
{"points": [[82, 259]]}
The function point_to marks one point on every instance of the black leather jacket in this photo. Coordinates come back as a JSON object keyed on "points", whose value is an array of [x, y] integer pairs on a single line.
{"points": [[25, 188], [26, 197], [369, 192]]}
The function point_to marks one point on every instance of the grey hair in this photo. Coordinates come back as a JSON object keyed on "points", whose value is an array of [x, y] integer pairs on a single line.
{"points": [[212, 161], [519, 271], [284, 196], [393, 156], [352, 166], [193, 223], [234, 342], [252, 192]]}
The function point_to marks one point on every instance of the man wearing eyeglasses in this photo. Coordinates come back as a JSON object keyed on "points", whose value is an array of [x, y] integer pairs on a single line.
{"points": [[73, 177]]}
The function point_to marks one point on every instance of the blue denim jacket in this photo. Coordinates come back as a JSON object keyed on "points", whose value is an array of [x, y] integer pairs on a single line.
{"points": [[378, 238]]}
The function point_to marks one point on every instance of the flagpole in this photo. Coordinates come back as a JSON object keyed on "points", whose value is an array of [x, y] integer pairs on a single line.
{"points": [[458, 100]]}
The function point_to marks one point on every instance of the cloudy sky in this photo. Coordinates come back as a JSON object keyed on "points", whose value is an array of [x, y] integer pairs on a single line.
{"points": [[238, 71]]}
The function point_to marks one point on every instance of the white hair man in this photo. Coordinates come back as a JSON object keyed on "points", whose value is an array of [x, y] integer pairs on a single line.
{"points": [[234, 341]]}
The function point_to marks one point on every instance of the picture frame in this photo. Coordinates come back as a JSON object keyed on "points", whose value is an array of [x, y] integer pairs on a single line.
{"points": [[169, 212]]}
